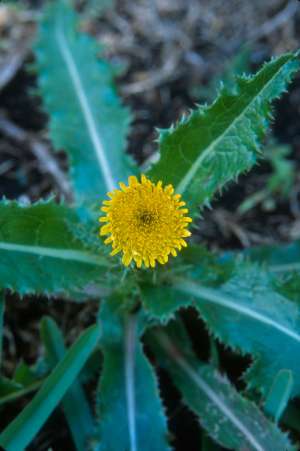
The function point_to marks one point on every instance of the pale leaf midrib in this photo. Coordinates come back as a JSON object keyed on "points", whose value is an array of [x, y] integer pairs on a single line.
{"points": [[225, 409], [183, 184], [211, 295], [55, 253], [129, 369], [90, 121], [284, 267], [207, 390]]}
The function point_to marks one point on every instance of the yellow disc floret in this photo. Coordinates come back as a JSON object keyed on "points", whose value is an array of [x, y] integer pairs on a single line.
{"points": [[145, 221]]}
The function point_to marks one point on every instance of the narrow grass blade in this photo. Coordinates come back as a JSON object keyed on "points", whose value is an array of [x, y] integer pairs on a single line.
{"points": [[74, 403], [23, 429]]}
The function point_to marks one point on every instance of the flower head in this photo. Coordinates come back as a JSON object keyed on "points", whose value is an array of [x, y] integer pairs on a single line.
{"points": [[145, 221]]}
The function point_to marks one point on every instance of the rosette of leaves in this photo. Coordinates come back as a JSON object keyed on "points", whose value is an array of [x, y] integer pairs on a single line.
{"points": [[248, 303]]}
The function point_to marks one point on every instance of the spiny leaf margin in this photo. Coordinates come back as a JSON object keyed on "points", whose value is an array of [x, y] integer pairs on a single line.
{"points": [[129, 407], [216, 143], [246, 309], [87, 119], [39, 254], [230, 419]]}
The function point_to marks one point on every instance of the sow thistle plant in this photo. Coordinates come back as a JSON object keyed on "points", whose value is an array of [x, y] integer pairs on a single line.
{"points": [[145, 268]]}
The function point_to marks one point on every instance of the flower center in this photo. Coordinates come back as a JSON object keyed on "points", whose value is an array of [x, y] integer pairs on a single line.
{"points": [[145, 221], [146, 218]]}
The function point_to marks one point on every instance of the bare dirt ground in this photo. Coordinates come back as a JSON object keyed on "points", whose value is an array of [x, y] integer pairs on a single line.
{"points": [[168, 52]]}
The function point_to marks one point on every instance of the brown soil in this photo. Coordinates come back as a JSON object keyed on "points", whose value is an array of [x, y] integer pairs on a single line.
{"points": [[169, 51]]}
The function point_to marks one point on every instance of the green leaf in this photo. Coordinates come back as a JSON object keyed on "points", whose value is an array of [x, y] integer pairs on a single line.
{"points": [[38, 253], [23, 383], [243, 306], [208, 444], [248, 313], [23, 429], [216, 143], [278, 258], [279, 394], [288, 285], [160, 301], [74, 403], [231, 420], [24, 375], [11, 391], [87, 119], [2, 308], [92, 367], [130, 412], [8, 386]]}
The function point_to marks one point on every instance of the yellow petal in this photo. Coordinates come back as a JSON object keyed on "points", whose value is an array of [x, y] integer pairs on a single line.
{"points": [[105, 229], [169, 189], [126, 259], [152, 262], [115, 251], [138, 261], [132, 180], [123, 187], [177, 196], [104, 219]]}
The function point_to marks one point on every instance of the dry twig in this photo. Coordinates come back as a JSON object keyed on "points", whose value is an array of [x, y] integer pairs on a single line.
{"points": [[275, 22], [40, 150]]}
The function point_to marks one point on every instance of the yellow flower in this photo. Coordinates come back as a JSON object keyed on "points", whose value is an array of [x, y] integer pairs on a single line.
{"points": [[145, 221]]}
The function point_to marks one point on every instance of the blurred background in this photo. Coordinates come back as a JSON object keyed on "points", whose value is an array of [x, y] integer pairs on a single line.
{"points": [[169, 55]]}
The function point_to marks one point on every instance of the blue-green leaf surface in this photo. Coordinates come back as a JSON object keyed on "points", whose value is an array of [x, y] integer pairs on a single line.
{"points": [[8, 386], [195, 261], [26, 425], [245, 307], [280, 258], [230, 419], [87, 119], [279, 394], [75, 405], [250, 315], [10, 390], [24, 375], [2, 307], [130, 412], [215, 143], [38, 253]]}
